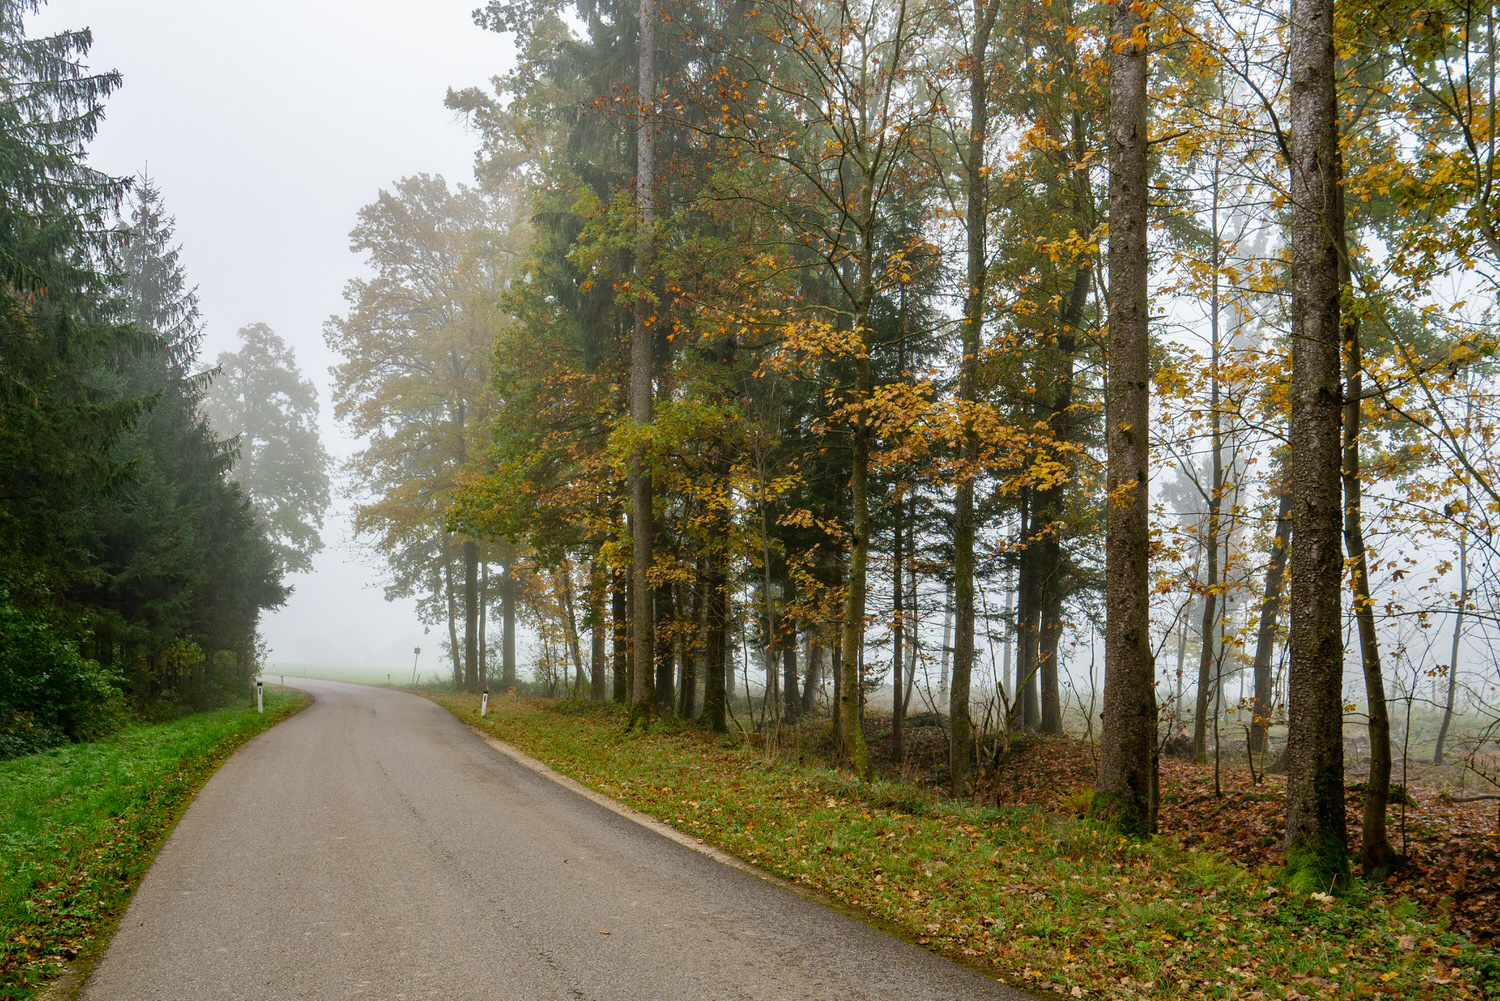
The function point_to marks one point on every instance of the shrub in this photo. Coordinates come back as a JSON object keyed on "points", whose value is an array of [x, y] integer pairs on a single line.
{"points": [[49, 693]]}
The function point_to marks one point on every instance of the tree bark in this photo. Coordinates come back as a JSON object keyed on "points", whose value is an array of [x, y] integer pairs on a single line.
{"points": [[666, 656], [508, 622], [1052, 500], [1377, 856], [715, 642], [453, 647], [1127, 746], [898, 630], [976, 218], [619, 616], [792, 700], [564, 582], [596, 629], [484, 619], [1317, 849], [1265, 636], [643, 697], [1458, 631]]}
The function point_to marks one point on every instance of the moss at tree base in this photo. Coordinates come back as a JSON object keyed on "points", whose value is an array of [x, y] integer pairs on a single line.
{"points": [[1119, 812], [1317, 863]]}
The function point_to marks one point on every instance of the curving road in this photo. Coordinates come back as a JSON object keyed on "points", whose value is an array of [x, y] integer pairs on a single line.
{"points": [[373, 847]]}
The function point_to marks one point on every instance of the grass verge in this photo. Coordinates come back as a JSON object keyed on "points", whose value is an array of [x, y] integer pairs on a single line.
{"points": [[1048, 903], [79, 826]]}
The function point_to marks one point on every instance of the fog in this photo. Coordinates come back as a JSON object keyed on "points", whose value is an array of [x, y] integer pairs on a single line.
{"points": [[267, 125]]}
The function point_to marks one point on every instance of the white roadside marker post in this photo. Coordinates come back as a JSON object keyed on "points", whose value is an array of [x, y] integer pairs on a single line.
{"points": [[484, 701], [260, 699]]}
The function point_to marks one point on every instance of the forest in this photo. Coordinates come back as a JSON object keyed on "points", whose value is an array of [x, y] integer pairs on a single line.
{"points": [[1119, 370], [148, 510], [1123, 371]]}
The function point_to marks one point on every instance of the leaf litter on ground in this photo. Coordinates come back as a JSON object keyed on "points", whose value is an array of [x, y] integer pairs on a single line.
{"points": [[1016, 886]]}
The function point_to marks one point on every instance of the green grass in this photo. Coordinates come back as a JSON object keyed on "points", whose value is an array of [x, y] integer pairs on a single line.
{"points": [[79, 826], [1045, 902]]}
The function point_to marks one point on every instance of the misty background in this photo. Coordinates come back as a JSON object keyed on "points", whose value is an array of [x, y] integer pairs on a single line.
{"points": [[267, 125]]}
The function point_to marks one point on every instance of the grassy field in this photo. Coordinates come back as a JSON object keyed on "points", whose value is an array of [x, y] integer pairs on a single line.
{"points": [[79, 826], [1049, 903], [393, 676]]}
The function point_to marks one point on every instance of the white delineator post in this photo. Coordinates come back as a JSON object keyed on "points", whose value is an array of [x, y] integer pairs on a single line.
{"points": [[260, 698], [484, 701]]}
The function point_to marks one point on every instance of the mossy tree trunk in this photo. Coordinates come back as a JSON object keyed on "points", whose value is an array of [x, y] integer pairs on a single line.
{"points": [[1317, 854], [1123, 790]]}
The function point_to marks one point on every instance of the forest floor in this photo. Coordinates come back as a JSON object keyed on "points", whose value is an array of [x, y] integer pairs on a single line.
{"points": [[1452, 850], [1015, 884]]}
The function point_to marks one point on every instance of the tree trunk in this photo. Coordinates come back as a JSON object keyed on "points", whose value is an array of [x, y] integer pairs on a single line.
{"points": [[976, 217], [508, 622], [642, 696], [1377, 856], [619, 615], [1463, 588], [687, 697], [947, 651], [453, 647], [1317, 847], [1026, 708], [1053, 499], [850, 702], [666, 658], [898, 629], [564, 580], [1265, 637], [1127, 746], [792, 700], [471, 617], [715, 644], [596, 629], [814, 679], [1458, 630], [484, 620]]}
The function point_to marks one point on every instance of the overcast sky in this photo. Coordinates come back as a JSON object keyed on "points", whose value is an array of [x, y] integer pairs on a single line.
{"points": [[267, 124]]}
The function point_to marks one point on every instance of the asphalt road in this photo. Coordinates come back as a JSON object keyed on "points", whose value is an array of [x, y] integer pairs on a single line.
{"points": [[373, 847]]}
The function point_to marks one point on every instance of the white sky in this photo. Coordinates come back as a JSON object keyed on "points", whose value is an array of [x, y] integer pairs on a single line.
{"points": [[267, 124]]}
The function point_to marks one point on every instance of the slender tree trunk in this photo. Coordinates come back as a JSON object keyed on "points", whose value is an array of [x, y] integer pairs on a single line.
{"points": [[1265, 637], [792, 700], [946, 656], [508, 622], [643, 696], [564, 580], [898, 613], [768, 605], [597, 629], [1317, 846], [666, 660], [976, 209], [1026, 708], [1377, 856], [1052, 500], [715, 646], [484, 620], [471, 616], [911, 602], [1127, 746], [1458, 631], [851, 721], [619, 616], [1206, 634], [453, 647], [687, 699], [1463, 581], [814, 678]]}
